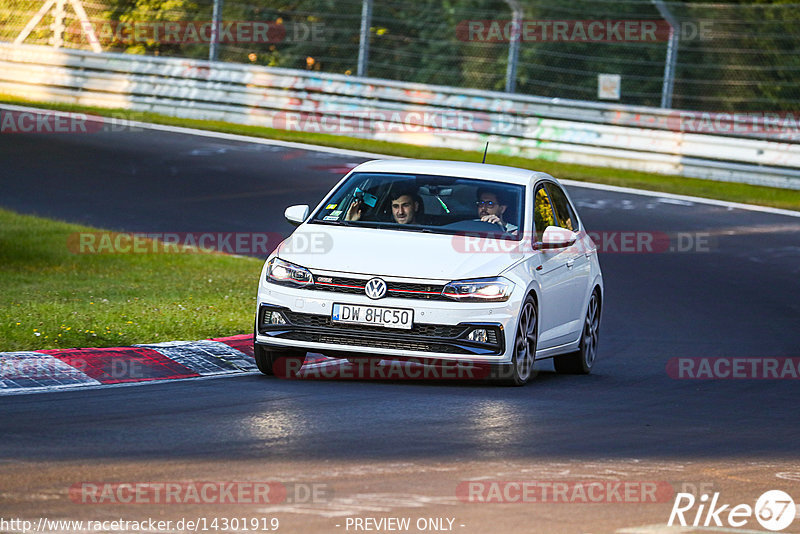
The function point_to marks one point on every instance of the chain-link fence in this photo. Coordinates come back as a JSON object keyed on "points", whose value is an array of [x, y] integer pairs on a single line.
{"points": [[725, 57]]}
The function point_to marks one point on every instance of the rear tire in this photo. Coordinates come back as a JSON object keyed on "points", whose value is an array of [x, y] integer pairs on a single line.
{"points": [[582, 360]]}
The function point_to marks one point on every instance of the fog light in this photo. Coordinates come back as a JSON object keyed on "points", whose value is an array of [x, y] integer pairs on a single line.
{"points": [[479, 334], [273, 317]]}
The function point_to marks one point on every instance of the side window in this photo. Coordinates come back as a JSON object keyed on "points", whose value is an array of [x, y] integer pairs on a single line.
{"points": [[566, 217], [542, 211]]}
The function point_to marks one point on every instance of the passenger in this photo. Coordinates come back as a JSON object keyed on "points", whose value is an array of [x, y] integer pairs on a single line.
{"points": [[405, 207], [491, 209]]}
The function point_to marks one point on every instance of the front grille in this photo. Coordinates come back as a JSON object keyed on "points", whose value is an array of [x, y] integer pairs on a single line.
{"points": [[399, 344], [324, 321], [340, 284], [417, 291], [445, 339]]}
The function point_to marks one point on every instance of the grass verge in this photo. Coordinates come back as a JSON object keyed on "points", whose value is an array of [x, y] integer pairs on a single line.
{"points": [[52, 298], [734, 192]]}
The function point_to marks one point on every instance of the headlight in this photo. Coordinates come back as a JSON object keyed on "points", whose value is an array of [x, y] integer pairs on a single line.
{"points": [[483, 289], [283, 272]]}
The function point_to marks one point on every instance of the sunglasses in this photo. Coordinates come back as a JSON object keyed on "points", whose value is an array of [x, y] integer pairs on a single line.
{"points": [[487, 203]]}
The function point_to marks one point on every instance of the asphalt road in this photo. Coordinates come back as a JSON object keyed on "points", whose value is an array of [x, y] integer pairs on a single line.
{"points": [[737, 296]]}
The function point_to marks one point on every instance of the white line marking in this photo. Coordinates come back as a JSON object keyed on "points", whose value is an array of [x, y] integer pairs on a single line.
{"points": [[208, 133], [685, 198], [346, 152], [675, 201]]}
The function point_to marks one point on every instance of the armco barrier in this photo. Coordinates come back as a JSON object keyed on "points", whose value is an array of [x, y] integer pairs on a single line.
{"points": [[588, 133]]}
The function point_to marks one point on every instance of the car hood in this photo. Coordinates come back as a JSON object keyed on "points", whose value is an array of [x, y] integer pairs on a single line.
{"points": [[398, 253]]}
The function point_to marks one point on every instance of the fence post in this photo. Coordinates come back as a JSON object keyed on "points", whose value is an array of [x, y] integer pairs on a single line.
{"points": [[513, 45], [672, 53], [59, 13], [216, 18], [363, 43]]}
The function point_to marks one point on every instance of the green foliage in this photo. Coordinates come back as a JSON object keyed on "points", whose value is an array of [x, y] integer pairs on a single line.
{"points": [[150, 11], [54, 298]]}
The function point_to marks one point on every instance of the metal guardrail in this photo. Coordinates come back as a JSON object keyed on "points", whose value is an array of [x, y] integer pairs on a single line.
{"points": [[624, 137]]}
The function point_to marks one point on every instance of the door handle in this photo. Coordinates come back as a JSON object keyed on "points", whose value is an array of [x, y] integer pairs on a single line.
{"points": [[570, 263]]}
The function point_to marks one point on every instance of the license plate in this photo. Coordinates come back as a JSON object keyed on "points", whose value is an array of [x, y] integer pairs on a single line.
{"points": [[373, 315]]}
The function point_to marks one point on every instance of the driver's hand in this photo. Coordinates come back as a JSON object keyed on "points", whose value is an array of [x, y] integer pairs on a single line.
{"points": [[492, 219], [354, 211]]}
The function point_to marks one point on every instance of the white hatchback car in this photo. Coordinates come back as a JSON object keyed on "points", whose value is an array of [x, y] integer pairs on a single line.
{"points": [[435, 261]]}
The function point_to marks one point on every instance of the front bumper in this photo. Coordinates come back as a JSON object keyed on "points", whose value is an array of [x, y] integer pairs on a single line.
{"points": [[439, 332]]}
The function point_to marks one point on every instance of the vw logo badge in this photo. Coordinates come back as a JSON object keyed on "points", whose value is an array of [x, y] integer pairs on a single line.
{"points": [[375, 289]]}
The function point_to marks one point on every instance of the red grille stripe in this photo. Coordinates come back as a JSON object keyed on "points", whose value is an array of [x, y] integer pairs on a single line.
{"points": [[415, 291], [339, 285]]}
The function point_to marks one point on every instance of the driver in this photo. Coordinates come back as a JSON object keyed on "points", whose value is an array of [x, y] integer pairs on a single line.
{"points": [[405, 207], [491, 209]]}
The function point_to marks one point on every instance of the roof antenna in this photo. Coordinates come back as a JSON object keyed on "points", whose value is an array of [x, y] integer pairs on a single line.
{"points": [[484, 152]]}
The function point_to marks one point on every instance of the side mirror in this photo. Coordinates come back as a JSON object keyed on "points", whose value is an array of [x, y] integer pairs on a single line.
{"points": [[296, 214], [556, 237]]}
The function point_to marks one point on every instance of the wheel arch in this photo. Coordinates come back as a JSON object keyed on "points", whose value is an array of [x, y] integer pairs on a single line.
{"points": [[597, 286], [533, 291]]}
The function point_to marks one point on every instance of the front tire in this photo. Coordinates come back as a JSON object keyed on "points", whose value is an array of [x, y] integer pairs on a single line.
{"points": [[263, 359], [283, 364], [582, 361], [521, 369]]}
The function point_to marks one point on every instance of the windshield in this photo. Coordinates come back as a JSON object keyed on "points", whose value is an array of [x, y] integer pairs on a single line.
{"points": [[425, 203]]}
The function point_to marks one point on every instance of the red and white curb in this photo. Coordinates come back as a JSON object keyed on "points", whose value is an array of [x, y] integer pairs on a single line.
{"points": [[65, 369], [59, 369]]}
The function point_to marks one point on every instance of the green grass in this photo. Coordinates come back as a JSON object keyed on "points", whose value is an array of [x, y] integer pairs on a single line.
{"points": [[734, 192], [53, 298]]}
